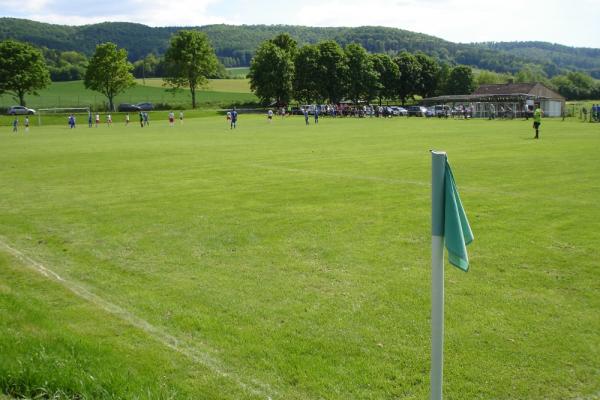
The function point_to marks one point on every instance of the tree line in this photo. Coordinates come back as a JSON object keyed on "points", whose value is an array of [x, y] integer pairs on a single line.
{"points": [[236, 45], [325, 72], [280, 70], [188, 63]]}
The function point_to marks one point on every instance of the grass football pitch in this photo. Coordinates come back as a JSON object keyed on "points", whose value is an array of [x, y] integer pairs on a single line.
{"points": [[287, 261]]}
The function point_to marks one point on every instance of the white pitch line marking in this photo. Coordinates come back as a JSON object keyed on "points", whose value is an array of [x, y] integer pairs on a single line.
{"points": [[256, 388]]}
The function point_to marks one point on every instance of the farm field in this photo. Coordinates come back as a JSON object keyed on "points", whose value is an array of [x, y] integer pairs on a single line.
{"points": [[214, 85], [74, 94], [286, 261]]}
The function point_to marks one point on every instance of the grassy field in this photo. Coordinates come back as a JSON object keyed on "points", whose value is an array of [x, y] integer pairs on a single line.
{"points": [[214, 85], [240, 72], [74, 94], [291, 262]]}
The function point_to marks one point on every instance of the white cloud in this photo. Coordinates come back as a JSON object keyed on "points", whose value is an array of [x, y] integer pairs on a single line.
{"points": [[25, 5]]}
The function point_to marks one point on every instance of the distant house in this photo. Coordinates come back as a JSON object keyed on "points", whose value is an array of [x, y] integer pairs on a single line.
{"points": [[514, 99]]}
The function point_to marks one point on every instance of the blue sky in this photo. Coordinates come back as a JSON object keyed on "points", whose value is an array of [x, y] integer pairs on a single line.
{"points": [[572, 23]]}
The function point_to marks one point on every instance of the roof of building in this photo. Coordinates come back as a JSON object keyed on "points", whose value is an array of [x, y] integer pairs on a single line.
{"points": [[536, 89], [506, 92]]}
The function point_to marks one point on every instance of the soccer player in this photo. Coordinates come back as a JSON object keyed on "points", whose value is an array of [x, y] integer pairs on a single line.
{"points": [[270, 115], [126, 119], [141, 119], [305, 112], [109, 120], [15, 124], [89, 119], [316, 114], [97, 120], [234, 116], [71, 121], [537, 120], [181, 117], [171, 119], [26, 124]]}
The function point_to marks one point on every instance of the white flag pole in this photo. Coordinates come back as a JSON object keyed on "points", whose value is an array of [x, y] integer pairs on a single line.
{"points": [[438, 167]]}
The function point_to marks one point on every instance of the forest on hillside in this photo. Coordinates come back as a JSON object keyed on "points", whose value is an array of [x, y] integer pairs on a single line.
{"points": [[235, 45]]}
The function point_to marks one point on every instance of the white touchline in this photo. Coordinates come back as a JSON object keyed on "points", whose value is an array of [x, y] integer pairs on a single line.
{"points": [[168, 340]]}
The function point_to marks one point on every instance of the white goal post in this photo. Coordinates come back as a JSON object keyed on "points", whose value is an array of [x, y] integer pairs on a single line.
{"points": [[64, 111]]}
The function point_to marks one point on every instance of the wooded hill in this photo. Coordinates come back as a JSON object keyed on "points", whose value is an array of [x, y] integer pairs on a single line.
{"points": [[235, 45]]}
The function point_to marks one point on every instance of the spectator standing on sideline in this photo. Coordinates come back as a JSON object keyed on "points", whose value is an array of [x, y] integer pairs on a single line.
{"points": [[537, 120], [234, 116]]}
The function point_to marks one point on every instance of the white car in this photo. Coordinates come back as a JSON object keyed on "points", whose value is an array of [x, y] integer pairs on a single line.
{"points": [[20, 110]]}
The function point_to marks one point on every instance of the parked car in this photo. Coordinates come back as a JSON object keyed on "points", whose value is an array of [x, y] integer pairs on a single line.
{"points": [[128, 107], [145, 106], [441, 111], [430, 112], [400, 111], [20, 110], [417, 111]]}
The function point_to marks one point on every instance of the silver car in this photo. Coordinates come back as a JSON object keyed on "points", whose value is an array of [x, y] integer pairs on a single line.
{"points": [[20, 110]]}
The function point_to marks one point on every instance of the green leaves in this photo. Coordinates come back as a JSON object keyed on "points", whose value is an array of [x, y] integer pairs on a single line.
{"points": [[22, 70], [109, 72], [272, 71], [190, 60]]}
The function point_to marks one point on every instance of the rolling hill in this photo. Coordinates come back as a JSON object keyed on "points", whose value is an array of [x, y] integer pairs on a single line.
{"points": [[235, 45]]}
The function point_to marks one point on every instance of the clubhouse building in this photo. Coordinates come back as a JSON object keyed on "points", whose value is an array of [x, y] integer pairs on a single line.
{"points": [[505, 100]]}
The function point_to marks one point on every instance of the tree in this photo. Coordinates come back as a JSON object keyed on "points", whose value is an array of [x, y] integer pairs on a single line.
{"points": [[109, 72], [408, 82], [531, 73], [271, 74], [22, 70], [190, 60], [363, 79], [576, 86], [333, 78], [460, 80], [428, 75], [286, 43], [389, 74], [306, 65]]}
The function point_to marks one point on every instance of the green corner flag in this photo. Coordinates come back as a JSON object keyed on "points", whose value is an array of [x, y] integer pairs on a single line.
{"points": [[457, 232]]}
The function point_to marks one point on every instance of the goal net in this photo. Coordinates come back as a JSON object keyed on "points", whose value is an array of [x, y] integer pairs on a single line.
{"points": [[55, 114]]}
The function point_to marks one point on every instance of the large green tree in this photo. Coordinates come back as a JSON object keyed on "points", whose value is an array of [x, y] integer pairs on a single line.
{"points": [[389, 74], [333, 78], [428, 75], [271, 74], [307, 67], [109, 72], [410, 71], [363, 79], [22, 70], [460, 80], [190, 60]]}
